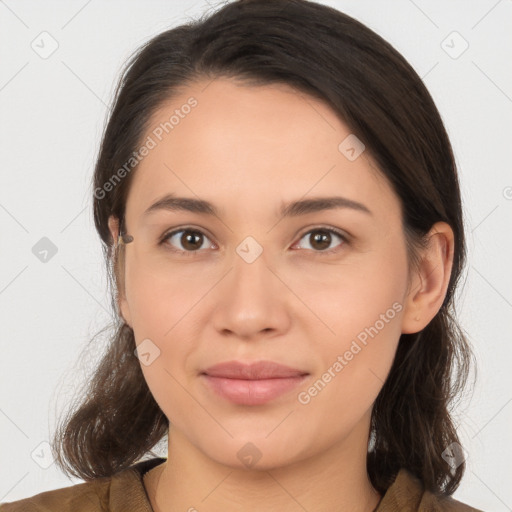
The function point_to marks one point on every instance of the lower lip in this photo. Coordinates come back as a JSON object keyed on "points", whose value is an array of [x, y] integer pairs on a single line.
{"points": [[252, 392]]}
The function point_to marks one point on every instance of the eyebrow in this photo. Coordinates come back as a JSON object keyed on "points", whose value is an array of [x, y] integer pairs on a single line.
{"points": [[170, 202]]}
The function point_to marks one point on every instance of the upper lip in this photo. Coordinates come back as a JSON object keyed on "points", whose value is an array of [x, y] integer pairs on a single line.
{"points": [[253, 371]]}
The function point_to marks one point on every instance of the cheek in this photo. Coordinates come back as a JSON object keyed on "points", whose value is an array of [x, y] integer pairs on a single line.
{"points": [[362, 305], [162, 310], [159, 296], [353, 368], [363, 291]]}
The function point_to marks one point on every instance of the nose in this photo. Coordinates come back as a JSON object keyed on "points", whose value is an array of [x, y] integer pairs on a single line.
{"points": [[252, 300]]}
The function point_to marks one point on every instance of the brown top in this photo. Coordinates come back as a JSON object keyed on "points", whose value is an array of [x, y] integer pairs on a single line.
{"points": [[125, 492]]}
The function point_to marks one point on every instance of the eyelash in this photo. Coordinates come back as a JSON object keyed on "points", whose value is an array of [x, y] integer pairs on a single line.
{"points": [[170, 234]]}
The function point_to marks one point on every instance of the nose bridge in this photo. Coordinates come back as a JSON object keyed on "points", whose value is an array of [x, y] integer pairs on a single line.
{"points": [[251, 273], [248, 301]]}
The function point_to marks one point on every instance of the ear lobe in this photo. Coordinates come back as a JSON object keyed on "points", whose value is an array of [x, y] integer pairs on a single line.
{"points": [[122, 304], [113, 226], [430, 281]]}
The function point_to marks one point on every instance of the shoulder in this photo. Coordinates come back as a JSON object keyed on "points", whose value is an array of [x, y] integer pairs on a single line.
{"points": [[85, 497], [408, 495], [122, 492]]}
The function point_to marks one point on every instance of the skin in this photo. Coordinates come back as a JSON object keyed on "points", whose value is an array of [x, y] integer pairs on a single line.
{"points": [[247, 149]]}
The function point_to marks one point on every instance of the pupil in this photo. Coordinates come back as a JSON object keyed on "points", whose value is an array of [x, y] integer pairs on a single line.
{"points": [[188, 237], [322, 238]]}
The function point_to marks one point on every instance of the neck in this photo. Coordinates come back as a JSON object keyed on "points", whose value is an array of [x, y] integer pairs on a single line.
{"points": [[333, 480]]}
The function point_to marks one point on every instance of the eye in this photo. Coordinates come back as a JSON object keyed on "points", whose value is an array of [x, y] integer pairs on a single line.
{"points": [[321, 238], [191, 240]]}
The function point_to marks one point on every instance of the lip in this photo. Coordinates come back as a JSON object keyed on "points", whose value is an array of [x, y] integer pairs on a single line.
{"points": [[254, 383], [253, 371]]}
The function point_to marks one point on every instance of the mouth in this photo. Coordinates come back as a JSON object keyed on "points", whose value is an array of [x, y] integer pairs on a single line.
{"points": [[252, 384]]}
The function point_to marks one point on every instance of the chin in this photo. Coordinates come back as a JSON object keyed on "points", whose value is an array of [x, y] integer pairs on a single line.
{"points": [[254, 454]]}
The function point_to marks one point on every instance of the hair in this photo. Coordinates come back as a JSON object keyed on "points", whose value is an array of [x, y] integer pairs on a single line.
{"points": [[325, 53]]}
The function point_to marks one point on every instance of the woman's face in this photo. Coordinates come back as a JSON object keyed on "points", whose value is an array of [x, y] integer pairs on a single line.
{"points": [[256, 285]]}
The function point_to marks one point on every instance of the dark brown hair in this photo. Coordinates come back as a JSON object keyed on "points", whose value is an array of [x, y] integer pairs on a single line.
{"points": [[322, 52]]}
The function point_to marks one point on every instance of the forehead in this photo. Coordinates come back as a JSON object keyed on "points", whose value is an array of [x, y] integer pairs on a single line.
{"points": [[250, 148]]}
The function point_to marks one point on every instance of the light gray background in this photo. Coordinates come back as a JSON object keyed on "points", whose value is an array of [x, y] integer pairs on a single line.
{"points": [[52, 114]]}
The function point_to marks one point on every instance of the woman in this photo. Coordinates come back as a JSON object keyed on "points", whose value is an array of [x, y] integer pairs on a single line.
{"points": [[279, 206]]}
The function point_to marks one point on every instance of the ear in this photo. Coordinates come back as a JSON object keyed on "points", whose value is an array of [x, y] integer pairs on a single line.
{"points": [[122, 303], [430, 281], [113, 226]]}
